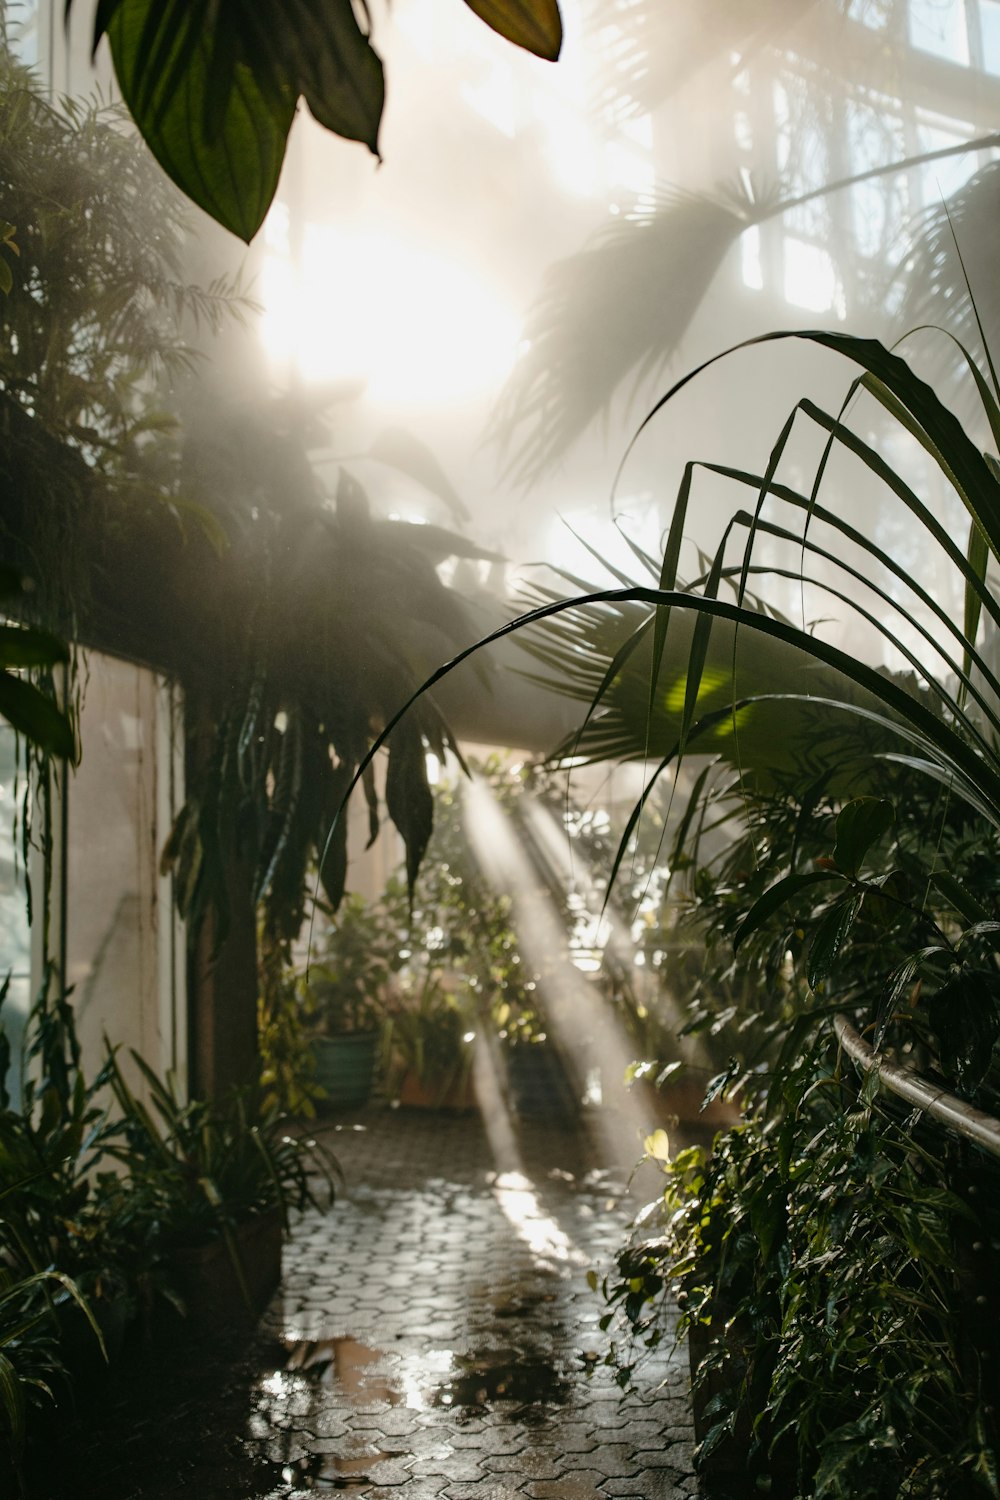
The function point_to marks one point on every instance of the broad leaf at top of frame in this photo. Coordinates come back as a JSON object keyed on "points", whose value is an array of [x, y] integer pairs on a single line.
{"points": [[535, 25], [216, 124], [213, 88], [212, 84], [860, 825], [335, 67]]}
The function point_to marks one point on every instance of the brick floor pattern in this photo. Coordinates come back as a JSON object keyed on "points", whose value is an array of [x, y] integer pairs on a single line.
{"points": [[440, 1336]]}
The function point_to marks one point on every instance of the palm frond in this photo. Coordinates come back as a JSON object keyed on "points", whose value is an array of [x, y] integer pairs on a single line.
{"points": [[953, 252], [620, 305]]}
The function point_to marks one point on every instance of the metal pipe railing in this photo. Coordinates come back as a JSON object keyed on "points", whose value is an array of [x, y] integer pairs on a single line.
{"points": [[907, 1084]]}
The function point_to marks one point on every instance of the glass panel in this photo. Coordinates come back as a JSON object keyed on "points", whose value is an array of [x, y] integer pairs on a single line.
{"points": [[939, 26], [989, 26]]}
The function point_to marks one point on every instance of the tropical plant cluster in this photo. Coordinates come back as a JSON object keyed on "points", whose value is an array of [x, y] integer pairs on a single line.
{"points": [[836, 1254], [430, 969], [99, 1190], [142, 534]]}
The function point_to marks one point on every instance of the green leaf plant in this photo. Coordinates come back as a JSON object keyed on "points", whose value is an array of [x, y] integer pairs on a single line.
{"points": [[834, 1249], [213, 85]]}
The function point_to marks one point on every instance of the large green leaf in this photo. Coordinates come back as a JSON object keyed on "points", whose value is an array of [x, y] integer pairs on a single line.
{"points": [[336, 68], [35, 716], [21, 646], [215, 123], [535, 25]]}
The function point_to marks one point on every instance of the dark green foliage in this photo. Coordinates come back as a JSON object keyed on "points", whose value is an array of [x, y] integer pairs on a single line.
{"points": [[213, 87], [323, 622], [25, 707], [826, 1244], [97, 1189], [196, 1169], [97, 297], [821, 1259]]}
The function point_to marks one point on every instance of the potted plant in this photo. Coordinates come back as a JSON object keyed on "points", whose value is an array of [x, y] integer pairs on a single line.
{"points": [[207, 1188], [346, 989], [428, 1045]]}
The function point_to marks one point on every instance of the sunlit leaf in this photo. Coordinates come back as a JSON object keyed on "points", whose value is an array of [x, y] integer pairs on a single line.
{"points": [[222, 145], [535, 25], [657, 1145]]}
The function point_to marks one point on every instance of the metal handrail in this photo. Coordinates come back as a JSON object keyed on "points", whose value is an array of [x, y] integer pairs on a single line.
{"points": [[906, 1083]]}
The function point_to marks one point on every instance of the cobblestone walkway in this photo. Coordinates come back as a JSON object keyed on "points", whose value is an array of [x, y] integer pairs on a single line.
{"points": [[433, 1336], [441, 1336]]}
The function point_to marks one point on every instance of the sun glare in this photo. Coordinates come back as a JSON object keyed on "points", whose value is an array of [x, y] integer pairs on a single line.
{"points": [[414, 325]]}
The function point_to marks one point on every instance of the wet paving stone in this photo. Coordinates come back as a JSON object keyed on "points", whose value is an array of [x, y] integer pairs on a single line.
{"points": [[434, 1336]]}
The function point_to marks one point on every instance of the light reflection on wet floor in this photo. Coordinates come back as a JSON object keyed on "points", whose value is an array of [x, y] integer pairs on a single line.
{"points": [[441, 1340]]}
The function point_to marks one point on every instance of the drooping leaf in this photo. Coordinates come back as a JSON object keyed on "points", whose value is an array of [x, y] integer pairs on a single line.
{"points": [[22, 646], [400, 449], [221, 138], [535, 25], [335, 67], [36, 716], [966, 1021], [978, 558], [830, 937], [861, 823], [407, 793], [775, 897], [12, 1403]]}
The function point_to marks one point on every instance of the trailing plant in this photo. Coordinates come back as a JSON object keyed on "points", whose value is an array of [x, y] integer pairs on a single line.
{"points": [[814, 1260]]}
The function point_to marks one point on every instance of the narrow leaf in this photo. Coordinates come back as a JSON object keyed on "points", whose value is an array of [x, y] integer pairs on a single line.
{"points": [[777, 896]]}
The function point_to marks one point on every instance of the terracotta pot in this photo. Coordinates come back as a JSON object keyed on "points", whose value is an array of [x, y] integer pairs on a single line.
{"points": [[417, 1093]]}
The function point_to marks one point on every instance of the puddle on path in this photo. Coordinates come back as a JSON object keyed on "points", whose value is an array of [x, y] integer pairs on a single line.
{"points": [[342, 1369], [529, 1383], [332, 1472], [359, 1372]]}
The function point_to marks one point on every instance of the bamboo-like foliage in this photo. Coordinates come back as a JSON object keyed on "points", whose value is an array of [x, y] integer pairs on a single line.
{"points": [[639, 281], [97, 293]]}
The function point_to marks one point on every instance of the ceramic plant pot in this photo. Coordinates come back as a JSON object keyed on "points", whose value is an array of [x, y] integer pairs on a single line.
{"points": [[540, 1087], [345, 1068]]}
